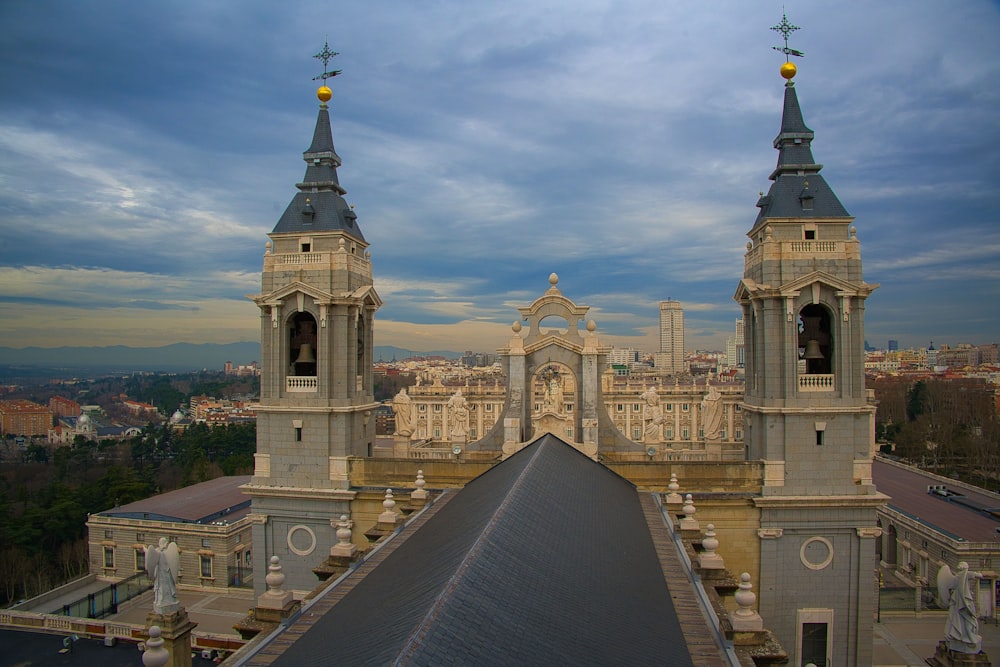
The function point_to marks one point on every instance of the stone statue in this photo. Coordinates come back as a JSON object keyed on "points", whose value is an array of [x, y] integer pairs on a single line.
{"points": [[458, 411], [960, 589], [652, 417], [711, 413], [402, 408], [162, 564]]}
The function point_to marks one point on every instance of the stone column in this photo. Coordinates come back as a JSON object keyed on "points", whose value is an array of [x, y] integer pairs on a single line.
{"points": [[175, 631]]}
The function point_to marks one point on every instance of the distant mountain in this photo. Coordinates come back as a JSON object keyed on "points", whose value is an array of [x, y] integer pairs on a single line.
{"points": [[170, 358], [174, 358]]}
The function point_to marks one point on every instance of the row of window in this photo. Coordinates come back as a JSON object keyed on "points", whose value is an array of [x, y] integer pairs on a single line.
{"points": [[205, 561], [669, 407], [669, 433], [422, 407]]}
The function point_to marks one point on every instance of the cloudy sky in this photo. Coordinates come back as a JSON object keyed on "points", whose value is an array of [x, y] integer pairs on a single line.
{"points": [[147, 148]]}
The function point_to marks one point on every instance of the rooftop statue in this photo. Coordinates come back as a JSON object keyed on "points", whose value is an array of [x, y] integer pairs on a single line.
{"points": [[402, 408], [162, 564], [959, 590]]}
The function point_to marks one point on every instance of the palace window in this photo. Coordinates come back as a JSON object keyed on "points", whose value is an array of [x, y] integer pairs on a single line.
{"points": [[140, 560], [109, 557], [206, 567]]}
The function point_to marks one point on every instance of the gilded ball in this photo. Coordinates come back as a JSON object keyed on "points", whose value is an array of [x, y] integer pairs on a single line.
{"points": [[324, 93], [788, 70]]}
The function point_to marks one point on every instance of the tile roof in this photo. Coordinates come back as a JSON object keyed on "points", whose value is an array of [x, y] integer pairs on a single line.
{"points": [[547, 558]]}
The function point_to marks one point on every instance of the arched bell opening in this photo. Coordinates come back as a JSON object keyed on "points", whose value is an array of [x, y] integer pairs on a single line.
{"points": [[302, 345], [815, 340]]}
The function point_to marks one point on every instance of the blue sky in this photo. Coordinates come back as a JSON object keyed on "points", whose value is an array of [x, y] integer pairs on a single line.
{"points": [[146, 149]]}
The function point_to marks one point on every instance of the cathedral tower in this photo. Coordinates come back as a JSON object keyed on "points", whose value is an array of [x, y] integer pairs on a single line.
{"points": [[807, 416], [316, 409]]}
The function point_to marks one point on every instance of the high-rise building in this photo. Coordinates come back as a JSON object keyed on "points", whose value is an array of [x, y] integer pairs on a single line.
{"points": [[317, 303], [893, 345], [670, 357], [806, 415], [735, 357]]}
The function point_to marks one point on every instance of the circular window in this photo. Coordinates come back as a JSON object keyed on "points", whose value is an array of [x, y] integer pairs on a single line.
{"points": [[816, 553], [301, 540]]}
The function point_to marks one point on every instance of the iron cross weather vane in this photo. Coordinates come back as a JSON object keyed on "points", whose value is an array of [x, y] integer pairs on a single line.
{"points": [[786, 29]]}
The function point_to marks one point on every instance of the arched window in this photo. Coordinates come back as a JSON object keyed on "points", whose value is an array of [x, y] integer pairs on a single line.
{"points": [[815, 340], [302, 345]]}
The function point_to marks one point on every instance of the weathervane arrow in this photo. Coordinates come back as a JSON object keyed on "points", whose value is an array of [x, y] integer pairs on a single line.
{"points": [[786, 29]]}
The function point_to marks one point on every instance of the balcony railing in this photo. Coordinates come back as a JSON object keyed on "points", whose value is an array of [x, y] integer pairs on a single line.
{"points": [[301, 383], [816, 382]]}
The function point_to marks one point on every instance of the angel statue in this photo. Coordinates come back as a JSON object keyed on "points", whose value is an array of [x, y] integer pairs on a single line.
{"points": [[162, 565], [959, 589]]}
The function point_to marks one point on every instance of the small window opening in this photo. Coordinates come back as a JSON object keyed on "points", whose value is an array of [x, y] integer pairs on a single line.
{"points": [[298, 434], [810, 234], [306, 247], [819, 437]]}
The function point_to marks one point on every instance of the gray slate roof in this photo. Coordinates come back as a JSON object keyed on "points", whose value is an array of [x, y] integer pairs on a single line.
{"points": [[785, 197], [544, 559], [326, 210]]}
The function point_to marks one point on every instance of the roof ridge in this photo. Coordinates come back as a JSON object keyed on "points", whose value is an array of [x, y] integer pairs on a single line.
{"points": [[446, 593]]}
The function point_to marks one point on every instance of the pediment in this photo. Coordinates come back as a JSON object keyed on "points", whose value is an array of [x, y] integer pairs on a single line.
{"points": [[839, 285], [297, 287], [553, 339]]}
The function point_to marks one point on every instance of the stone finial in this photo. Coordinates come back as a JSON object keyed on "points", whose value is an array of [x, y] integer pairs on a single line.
{"points": [[155, 655], [708, 559], [274, 597], [689, 522], [344, 546], [673, 497], [390, 515], [419, 493], [745, 618]]}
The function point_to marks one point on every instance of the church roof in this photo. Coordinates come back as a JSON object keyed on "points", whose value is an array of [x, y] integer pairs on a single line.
{"points": [[798, 190], [319, 206], [547, 558]]}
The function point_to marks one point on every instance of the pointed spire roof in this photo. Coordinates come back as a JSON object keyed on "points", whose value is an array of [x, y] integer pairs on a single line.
{"points": [[319, 206], [798, 190]]}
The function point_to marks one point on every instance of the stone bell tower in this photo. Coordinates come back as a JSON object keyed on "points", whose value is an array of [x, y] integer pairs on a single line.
{"points": [[317, 303], [806, 411]]}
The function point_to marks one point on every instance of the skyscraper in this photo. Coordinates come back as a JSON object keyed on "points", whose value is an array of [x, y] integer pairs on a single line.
{"points": [[670, 358]]}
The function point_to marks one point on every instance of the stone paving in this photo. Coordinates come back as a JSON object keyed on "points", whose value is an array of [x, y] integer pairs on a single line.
{"points": [[906, 640]]}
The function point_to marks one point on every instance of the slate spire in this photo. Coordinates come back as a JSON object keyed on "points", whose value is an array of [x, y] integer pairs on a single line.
{"points": [[319, 205], [798, 191]]}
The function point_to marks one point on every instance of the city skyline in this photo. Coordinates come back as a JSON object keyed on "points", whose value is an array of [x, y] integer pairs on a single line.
{"points": [[146, 152]]}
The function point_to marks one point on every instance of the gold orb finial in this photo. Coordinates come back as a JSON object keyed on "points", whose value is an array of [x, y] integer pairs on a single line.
{"points": [[788, 70], [324, 94]]}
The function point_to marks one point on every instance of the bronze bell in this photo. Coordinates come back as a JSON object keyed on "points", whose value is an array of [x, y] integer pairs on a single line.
{"points": [[812, 350], [306, 355]]}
